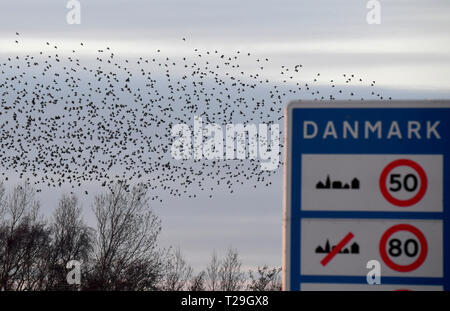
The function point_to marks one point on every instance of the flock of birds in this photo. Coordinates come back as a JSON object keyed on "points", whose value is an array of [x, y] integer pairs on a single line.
{"points": [[65, 120]]}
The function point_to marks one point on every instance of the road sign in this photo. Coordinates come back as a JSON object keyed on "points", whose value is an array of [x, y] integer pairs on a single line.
{"points": [[395, 248], [366, 181], [423, 180]]}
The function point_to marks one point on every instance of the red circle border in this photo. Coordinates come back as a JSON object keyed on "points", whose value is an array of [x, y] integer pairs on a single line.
{"points": [[423, 180], [423, 248]]}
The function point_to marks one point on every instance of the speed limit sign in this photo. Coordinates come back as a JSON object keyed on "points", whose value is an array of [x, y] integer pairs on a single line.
{"points": [[415, 247], [367, 181], [414, 182]]}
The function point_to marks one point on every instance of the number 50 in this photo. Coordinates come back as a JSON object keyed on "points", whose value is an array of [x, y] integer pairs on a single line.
{"points": [[409, 183]]}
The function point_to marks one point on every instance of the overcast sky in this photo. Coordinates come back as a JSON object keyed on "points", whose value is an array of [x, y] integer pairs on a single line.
{"points": [[408, 55]]}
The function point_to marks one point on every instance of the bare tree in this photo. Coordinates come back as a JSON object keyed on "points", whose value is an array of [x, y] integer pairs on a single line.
{"points": [[126, 255], [212, 272], [178, 274], [72, 239], [30, 243], [198, 282], [265, 279], [121, 255], [2, 203], [24, 241], [230, 274]]}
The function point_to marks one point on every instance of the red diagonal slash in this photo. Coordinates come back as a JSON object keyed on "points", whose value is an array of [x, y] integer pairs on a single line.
{"points": [[337, 249]]}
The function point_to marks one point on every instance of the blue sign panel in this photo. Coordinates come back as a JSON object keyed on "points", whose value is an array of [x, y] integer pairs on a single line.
{"points": [[366, 200]]}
